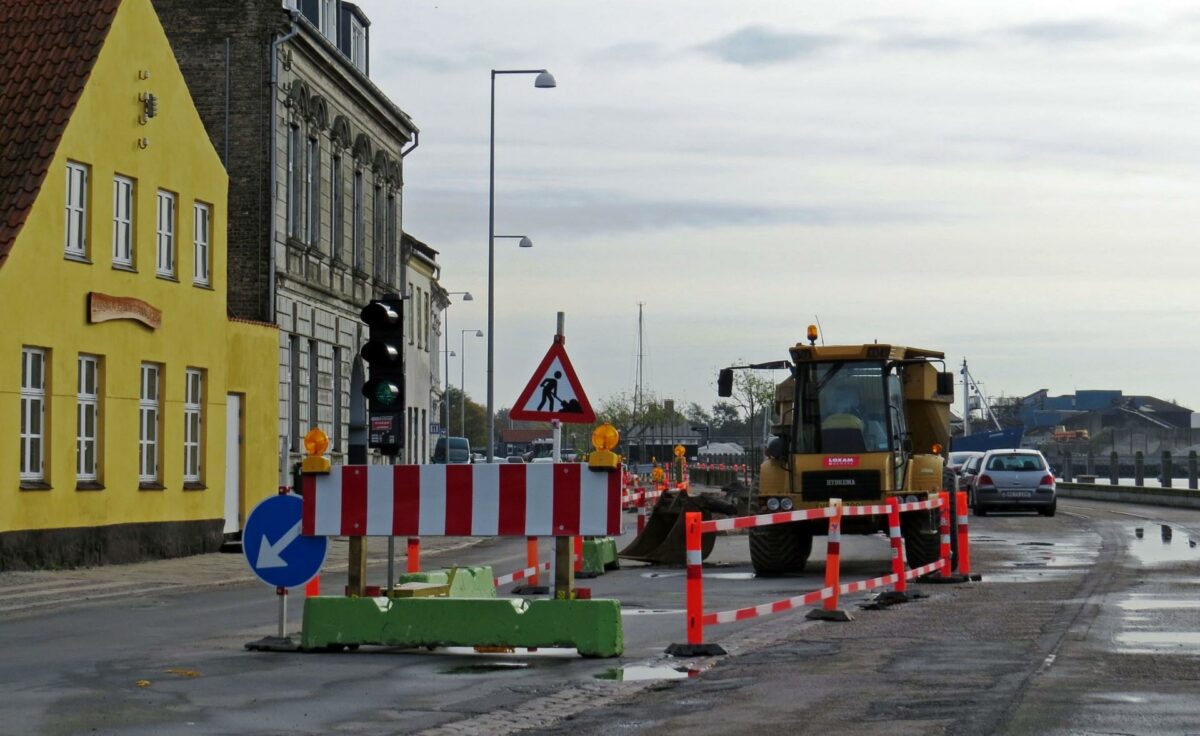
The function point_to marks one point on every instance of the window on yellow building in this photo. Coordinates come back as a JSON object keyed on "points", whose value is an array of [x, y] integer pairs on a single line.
{"points": [[148, 423], [166, 234], [34, 363], [76, 211], [193, 442], [122, 221], [201, 242], [87, 425]]}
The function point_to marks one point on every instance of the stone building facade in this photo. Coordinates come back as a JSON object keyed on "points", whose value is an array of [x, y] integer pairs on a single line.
{"points": [[315, 155]]}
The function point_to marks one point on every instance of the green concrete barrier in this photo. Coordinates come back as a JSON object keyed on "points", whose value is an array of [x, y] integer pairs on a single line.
{"points": [[599, 555], [593, 627], [467, 582]]}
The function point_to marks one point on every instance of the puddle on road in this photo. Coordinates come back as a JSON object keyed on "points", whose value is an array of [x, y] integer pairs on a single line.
{"points": [[647, 672], [707, 575], [1164, 547], [650, 611], [1040, 576], [1157, 604], [484, 668], [1159, 642]]}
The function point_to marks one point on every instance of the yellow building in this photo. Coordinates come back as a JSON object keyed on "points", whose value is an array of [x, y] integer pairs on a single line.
{"points": [[146, 417]]}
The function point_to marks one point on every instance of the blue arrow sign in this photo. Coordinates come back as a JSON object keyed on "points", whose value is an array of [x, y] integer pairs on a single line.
{"points": [[274, 548]]}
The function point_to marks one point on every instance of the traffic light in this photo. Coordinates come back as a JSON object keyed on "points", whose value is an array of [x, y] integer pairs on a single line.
{"points": [[384, 389]]}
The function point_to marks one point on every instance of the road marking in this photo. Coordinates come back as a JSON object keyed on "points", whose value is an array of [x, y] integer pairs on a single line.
{"points": [[90, 598]]}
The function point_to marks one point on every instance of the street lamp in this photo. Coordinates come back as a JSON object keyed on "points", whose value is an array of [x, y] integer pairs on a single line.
{"points": [[466, 297], [462, 378], [544, 80]]}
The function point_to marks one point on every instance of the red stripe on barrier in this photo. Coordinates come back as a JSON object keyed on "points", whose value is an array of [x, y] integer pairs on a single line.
{"points": [[354, 502], [512, 499], [459, 493], [406, 500], [308, 513], [566, 500]]}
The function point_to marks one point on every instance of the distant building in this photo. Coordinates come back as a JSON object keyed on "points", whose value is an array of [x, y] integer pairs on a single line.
{"points": [[1105, 420], [136, 410], [315, 155]]}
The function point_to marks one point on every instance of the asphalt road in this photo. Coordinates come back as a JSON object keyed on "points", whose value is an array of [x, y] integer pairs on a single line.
{"points": [[1079, 626]]}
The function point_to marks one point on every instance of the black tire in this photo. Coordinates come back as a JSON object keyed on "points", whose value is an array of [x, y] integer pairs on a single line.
{"points": [[980, 510], [1049, 510], [922, 543], [780, 548]]}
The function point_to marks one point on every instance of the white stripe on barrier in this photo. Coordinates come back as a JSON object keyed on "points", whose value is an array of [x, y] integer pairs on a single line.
{"points": [[485, 500], [432, 511], [328, 512], [695, 557], [593, 504], [379, 500], [539, 499]]}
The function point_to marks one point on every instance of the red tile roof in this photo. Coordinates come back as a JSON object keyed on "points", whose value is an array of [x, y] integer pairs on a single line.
{"points": [[47, 49]]}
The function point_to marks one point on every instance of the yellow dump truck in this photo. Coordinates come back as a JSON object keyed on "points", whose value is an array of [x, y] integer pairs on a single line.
{"points": [[857, 422]]}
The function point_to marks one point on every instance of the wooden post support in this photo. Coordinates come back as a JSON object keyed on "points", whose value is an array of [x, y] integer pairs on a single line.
{"points": [[564, 568], [356, 576]]}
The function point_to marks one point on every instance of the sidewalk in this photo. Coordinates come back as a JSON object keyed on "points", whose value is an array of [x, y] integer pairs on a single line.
{"points": [[30, 590]]}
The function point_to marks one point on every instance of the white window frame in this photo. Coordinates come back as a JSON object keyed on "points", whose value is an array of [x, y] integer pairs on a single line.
{"points": [[358, 44], [33, 404], [428, 324], [391, 237], [312, 190], [328, 19], [149, 425], [359, 253], [75, 231], [294, 183], [165, 233], [193, 425], [201, 243], [294, 441], [337, 206], [88, 396], [123, 204]]}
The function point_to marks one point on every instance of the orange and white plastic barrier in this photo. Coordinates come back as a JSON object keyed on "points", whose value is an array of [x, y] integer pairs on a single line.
{"points": [[529, 573], [828, 596], [964, 541]]}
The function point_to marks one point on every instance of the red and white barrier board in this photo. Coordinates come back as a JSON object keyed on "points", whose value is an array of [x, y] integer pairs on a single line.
{"points": [[500, 499]]}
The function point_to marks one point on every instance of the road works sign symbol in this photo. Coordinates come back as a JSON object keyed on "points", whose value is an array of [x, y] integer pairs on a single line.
{"points": [[554, 392], [277, 553]]}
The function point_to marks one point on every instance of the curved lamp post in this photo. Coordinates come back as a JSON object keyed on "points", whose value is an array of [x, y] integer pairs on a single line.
{"points": [[544, 80]]}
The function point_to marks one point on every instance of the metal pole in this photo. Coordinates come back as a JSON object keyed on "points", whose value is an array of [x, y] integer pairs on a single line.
{"points": [[446, 403], [281, 593], [462, 383], [491, 270]]}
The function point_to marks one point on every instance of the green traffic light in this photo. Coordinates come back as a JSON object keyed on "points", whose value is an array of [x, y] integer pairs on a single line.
{"points": [[386, 393]]}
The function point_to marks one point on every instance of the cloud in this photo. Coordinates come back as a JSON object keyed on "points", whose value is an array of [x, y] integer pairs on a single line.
{"points": [[760, 46], [1072, 32], [634, 52], [925, 42]]}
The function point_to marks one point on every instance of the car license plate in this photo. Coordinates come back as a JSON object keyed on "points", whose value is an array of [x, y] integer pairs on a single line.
{"points": [[1017, 494]]}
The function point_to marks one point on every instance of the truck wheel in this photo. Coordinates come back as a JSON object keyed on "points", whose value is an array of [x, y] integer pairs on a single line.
{"points": [[921, 539], [780, 548]]}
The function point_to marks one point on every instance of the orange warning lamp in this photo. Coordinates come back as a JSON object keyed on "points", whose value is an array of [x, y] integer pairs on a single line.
{"points": [[937, 449], [812, 334], [316, 443], [679, 450], [604, 439]]}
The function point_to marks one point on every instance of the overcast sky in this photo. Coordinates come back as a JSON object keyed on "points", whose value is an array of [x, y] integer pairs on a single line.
{"points": [[1014, 183]]}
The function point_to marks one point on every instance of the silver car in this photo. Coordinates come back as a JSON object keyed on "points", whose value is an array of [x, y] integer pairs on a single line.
{"points": [[1014, 479]]}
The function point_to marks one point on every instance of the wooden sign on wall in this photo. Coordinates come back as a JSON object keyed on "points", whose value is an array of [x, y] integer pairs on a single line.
{"points": [[105, 307]]}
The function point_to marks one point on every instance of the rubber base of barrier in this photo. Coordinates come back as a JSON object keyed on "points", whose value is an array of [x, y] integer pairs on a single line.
{"points": [[894, 598], [274, 644], [939, 580], [531, 590], [820, 614], [599, 555], [593, 627], [695, 650]]}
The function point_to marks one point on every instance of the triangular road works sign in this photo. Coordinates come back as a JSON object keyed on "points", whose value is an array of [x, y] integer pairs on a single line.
{"points": [[554, 392]]}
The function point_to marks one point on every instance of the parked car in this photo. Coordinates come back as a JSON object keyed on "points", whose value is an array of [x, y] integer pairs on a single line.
{"points": [[1014, 479], [460, 451], [514, 459], [952, 473], [968, 472]]}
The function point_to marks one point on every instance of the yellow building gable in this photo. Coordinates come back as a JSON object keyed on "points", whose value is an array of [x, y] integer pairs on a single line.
{"points": [[116, 282]]}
